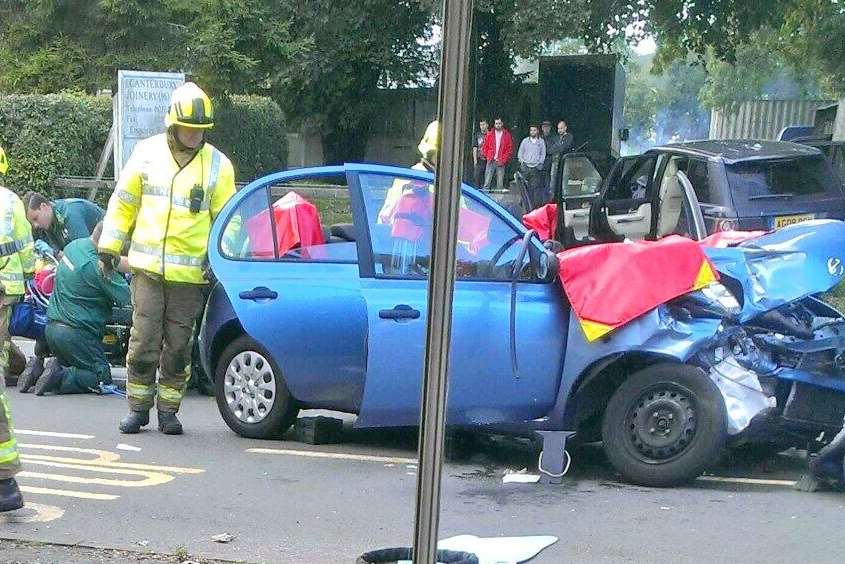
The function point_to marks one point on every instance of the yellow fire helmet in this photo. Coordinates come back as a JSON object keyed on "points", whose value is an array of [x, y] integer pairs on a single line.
{"points": [[430, 141], [190, 107], [4, 162]]}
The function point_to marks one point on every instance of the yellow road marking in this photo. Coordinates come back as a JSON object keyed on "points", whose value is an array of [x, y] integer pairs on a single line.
{"points": [[33, 513], [52, 434], [103, 458], [68, 493], [752, 481], [335, 455], [149, 478]]}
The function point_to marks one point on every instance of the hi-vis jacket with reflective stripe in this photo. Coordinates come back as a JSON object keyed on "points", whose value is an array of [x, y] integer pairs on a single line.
{"points": [[152, 201], [16, 249]]}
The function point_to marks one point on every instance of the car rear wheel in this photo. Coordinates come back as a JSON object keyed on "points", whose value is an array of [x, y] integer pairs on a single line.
{"points": [[664, 425], [251, 393]]}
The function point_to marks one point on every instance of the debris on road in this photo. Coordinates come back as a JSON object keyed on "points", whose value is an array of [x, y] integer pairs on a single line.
{"points": [[223, 538], [130, 448], [520, 477], [318, 430]]}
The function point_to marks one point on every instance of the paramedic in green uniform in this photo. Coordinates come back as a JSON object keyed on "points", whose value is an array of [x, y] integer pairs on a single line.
{"points": [[61, 221], [79, 308]]}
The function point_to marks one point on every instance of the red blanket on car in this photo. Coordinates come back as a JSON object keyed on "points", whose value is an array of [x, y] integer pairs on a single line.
{"points": [[610, 284], [542, 220]]}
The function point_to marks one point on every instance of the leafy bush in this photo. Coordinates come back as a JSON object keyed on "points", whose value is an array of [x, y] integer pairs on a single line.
{"points": [[53, 135]]}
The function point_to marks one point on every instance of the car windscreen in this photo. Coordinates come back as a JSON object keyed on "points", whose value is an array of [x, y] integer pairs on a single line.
{"points": [[770, 179]]}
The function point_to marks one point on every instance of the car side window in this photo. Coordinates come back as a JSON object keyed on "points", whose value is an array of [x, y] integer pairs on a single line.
{"points": [[399, 217], [697, 174], [248, 234], [286, 223]]}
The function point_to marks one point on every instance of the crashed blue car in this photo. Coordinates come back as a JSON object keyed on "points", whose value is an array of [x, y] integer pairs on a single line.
{"points": [[336, 320]]}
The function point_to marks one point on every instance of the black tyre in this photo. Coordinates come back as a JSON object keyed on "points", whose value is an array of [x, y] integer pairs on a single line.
{"points": [[664, 425], [251, 393]]}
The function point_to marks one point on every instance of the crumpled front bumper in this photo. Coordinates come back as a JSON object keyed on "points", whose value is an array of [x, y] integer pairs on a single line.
{"points": [[744, 397]]}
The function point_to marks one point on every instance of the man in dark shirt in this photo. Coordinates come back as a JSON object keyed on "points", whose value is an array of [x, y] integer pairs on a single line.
{"points": [[80, 306], [561, 144], [478, 160], [61, 221]]}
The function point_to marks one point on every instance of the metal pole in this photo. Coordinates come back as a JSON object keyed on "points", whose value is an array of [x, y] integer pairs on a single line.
{"points": [[457, 24]]}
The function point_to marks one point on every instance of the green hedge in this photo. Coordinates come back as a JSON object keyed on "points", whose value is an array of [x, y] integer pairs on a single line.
{"points": [[47, 136]]}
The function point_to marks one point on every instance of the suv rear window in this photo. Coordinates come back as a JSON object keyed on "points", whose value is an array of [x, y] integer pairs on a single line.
{"points": [[763, 179]]}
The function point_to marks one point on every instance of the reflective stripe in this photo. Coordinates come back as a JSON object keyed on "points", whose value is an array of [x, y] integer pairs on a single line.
{"points": [[152, 190], [186, 203], [67, 263], [170, 394], [155, 251], [16, 246], [140, 390], [12, 276], [128, 198], [8, 448], [214, 172], [116, 234]]}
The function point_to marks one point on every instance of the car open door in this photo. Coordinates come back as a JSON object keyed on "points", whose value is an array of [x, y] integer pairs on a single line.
{"points": [[626, 207], [484, 386]]}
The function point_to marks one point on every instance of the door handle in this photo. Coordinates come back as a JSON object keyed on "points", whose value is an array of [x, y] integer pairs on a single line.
{"points": [[629, 219], [399, 312], [259, 293]]}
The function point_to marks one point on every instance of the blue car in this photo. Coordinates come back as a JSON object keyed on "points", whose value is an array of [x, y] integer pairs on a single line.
{"points": [[337, 321]]}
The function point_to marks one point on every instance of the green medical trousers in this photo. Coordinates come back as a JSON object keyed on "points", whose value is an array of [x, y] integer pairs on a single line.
{"points": [[162, 326], [9, 461], [81, 354]]}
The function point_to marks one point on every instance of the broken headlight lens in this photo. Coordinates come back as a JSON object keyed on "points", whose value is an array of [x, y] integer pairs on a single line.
{"points": [[719, 294]]}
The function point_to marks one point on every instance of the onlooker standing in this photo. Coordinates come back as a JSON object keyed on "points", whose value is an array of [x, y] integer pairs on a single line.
{"points": [[478, 160], [546, 132], [532, 155], [498, 150], [562, 143]]}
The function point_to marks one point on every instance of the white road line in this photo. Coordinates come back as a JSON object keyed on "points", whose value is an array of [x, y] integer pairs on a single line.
{"points": [[68, 493], [335, 455], [52, 434], [751, 481]]}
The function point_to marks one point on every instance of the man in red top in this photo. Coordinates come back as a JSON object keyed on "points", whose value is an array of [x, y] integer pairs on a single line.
{"points": [[497, 150]]}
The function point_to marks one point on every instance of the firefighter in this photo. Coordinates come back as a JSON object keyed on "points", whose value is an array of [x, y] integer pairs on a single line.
{"points": [[17, 265], [167, 197]]}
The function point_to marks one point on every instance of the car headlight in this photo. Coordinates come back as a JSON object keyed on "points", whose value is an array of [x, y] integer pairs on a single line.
{"points": [[722, 296]]}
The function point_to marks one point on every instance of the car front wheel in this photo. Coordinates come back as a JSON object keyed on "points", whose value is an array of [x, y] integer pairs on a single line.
{"points": [[664, 425], [251, 393]]}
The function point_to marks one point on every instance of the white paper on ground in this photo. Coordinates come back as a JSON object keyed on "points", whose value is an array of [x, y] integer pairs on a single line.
{"points": [[497, 550], [122, 446], [520, 478]]}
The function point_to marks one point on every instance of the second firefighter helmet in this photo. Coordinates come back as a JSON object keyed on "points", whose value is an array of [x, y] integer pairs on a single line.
{"points": [[430, 141], [4, 161], [190, 107]]}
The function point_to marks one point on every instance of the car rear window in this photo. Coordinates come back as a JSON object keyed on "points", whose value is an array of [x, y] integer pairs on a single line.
{"points": [[769, 178]]}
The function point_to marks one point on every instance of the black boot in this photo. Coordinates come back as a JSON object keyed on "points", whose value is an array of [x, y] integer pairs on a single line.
{"points": [[10, 495], [133, 422], [168, 424], [51, 379], [31, 372]]}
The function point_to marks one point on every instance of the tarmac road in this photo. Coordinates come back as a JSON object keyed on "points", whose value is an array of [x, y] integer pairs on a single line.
{"points": [[292, 502]]}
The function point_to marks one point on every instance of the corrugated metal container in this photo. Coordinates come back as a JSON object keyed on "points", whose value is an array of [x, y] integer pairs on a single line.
{"points": [[762, 119]]}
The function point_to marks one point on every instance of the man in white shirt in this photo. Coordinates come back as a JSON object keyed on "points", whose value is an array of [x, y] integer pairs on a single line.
{"points": [[531, 156]]}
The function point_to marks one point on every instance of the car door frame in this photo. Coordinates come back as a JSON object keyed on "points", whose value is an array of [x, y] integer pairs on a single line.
{"points": [[599, 223]]}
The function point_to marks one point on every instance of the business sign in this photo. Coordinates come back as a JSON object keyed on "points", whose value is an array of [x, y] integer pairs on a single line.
{"points": [[140, 106]]}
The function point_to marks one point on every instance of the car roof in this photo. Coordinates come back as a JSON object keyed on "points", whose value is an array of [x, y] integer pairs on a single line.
{"points": [[732, 151]]}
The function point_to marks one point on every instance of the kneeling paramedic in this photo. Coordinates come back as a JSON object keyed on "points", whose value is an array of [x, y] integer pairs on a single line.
{"points": [[54, 225], [79, 308], [167, 197], [17, 264]]}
